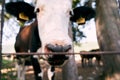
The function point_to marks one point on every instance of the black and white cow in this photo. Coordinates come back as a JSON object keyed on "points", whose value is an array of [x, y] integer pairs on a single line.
{"points": [[48, 33]]}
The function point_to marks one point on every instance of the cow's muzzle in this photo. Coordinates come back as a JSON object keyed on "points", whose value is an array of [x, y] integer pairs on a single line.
{"points": [[57, 48], [57, 59]]}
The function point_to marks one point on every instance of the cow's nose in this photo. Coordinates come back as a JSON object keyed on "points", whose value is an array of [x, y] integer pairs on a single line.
{"points": [[58, 48]]}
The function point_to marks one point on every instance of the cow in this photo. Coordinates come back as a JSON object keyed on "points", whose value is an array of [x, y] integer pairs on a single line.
{"points": [[87, 58], [27, 40], [48, 33]]}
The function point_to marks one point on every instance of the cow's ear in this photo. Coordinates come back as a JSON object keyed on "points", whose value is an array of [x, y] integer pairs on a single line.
{"points": [[21, 10], [82, 14]]}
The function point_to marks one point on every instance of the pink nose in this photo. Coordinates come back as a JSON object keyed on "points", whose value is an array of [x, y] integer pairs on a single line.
{"points": [[58, 48]]}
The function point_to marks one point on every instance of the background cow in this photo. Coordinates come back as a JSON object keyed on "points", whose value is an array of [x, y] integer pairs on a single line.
{"points": [[87, 58], [50, 33], [27, 40]]}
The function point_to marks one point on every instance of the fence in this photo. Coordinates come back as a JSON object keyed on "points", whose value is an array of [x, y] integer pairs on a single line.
{"points": [[59, 53], [82, 68]]}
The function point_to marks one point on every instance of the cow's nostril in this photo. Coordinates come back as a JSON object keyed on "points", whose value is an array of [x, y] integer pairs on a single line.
{"points": [[58, 48], [67, 48]]}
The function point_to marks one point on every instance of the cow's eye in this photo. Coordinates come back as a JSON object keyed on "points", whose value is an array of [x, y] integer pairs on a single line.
{"points": [[37, 10]]}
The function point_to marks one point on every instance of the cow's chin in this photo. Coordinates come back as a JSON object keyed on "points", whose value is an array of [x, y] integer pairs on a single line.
{"points": [[57, 60]]}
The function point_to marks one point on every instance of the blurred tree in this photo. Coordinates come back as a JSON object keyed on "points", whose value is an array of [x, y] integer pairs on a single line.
{"points": [[1, 27], [108, 32], [0, 1], [77, 33], [75, 29], [75, 2]]}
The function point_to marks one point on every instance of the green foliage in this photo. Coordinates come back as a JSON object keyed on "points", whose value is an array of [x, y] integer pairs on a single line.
{"points": [[8, 64], [75, 2]]}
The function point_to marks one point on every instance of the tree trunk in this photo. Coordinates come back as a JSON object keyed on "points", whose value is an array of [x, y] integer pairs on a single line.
{"points": [[70, 70], [1, 30], [108, 33]]}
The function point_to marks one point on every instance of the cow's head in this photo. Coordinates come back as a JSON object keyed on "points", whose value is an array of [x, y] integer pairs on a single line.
{"points": [[53, 23]]}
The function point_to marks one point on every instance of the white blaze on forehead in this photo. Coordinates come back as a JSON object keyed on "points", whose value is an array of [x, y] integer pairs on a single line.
{"points": [[53, 20]]}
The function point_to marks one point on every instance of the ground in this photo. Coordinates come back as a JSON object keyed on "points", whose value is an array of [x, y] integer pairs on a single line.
{"points": [[88, 72]]}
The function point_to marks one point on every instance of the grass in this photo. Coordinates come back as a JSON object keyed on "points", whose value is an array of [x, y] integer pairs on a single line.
{"points": [[8, 70]]}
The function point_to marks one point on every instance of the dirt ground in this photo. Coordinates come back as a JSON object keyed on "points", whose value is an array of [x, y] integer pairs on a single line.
{"points": [[88, 72]]}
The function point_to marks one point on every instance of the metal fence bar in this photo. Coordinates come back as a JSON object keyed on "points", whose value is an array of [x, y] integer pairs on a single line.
{"points": [[1, 30], [59, 53]]}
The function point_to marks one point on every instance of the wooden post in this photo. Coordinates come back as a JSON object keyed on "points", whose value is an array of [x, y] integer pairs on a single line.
{"points": [[108, 34], [1, 28], [70, 71]]}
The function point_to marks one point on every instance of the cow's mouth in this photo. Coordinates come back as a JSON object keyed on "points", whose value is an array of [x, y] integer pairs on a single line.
{"points": [[57, 60]]}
